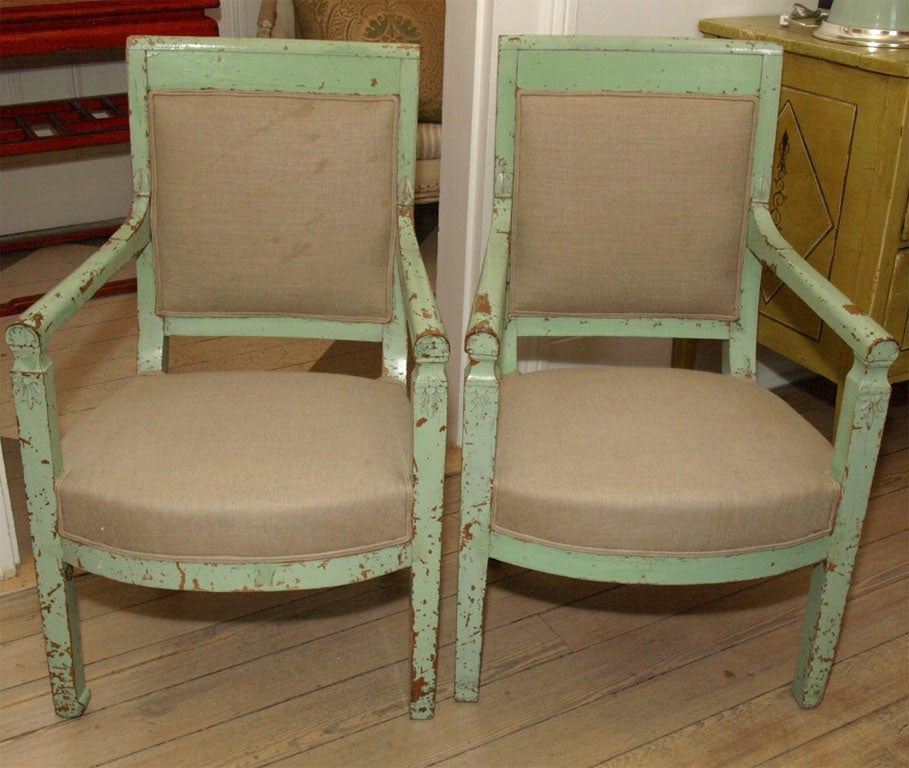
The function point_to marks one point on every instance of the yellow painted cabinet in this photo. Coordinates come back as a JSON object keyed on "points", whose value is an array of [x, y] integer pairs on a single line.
{"points": [[839, 191]]}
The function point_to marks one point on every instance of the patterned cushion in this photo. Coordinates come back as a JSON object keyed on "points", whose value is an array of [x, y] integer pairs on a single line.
{"points": [[420, 22]]}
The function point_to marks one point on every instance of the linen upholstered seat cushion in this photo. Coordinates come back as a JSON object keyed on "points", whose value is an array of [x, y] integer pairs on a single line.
{"points": [[650, 460], [241, 465]]}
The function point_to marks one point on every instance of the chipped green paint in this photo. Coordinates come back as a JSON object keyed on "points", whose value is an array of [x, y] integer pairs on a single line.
{"points": [[415, 327], [705, 66]]}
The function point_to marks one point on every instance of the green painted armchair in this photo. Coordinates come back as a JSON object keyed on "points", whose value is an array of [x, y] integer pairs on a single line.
{"points": [[631, 181], [230, 481]]}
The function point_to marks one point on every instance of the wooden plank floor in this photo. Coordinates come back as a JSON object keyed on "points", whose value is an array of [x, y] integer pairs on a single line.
{"points": [[574, 673]]}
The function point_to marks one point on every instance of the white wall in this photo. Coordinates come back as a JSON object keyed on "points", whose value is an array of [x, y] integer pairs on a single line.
{"points": [[665, 17], [44, 192], [84, 186]]}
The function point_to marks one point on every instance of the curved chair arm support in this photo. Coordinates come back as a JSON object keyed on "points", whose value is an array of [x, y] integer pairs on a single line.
{"points": [[47, 315], [867, 339], [34, 387], [866, 392], [430, 342], [487, 321]]}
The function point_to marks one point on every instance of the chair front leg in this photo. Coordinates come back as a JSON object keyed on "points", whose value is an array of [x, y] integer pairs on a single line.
{"points": [[480, 410], [60, 616], [35, 399], [866, 395], [430, 396], [823, 619]]}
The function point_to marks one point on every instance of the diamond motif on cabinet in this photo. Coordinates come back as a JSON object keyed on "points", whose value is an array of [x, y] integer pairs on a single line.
{"points": [[797, 201]]}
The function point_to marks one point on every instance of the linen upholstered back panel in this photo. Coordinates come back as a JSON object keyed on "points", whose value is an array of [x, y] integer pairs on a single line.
{"points": [[295, 237], [630, 204]]}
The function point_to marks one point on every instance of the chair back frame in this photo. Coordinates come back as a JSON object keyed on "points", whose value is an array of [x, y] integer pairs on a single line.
{"points": [[330, 68], [578, 65]]}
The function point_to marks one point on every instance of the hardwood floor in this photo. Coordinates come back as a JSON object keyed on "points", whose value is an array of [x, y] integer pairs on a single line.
{"points": [[575, 673]]}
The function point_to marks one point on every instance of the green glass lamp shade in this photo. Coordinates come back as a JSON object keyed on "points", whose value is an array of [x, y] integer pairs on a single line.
{"points": [[874, 23]]}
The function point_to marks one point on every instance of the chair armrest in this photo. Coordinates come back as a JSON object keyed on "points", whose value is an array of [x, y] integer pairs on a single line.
{"points": [[46, 316], [276, 20], [266, 21], [867, 339], [427, 332], [487, 320]]}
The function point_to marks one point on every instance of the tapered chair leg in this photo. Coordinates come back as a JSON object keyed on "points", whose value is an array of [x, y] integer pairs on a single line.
{"points": [[472, 569], [36, 409], [60, 614], [429, 392], [826, 603], [481, 400], [425, 601]]}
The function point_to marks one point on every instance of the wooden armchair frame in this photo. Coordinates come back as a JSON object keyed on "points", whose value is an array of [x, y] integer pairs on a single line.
{"points": [[560, 64], [415, 328]]}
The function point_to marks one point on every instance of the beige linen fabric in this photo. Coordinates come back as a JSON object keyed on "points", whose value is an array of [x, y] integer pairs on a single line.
{"points": [[274, 204], [657, 461], [630, 204], [242, 465]]}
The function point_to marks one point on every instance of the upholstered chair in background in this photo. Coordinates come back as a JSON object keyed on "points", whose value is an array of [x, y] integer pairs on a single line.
{"points": [[416, 22]]}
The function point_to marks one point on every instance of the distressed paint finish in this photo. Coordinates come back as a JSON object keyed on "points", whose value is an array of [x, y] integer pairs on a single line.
{"points": [[34, 394], [316, 573], [627, 64], [643, 569], [415, 328], [866, 394], [429, 394], [481, 403]]}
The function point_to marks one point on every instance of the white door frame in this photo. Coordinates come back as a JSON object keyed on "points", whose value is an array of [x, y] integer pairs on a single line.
{"points": [[472, 28]]}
